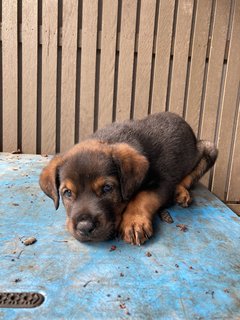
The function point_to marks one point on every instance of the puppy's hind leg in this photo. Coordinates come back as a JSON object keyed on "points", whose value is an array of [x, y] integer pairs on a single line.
{"points": [[208, 155]]}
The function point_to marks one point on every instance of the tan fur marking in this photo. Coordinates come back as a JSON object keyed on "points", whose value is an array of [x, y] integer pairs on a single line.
{"points": [[195, 175], [69, 225], [136, 225], [187, 181], [68, 184], [98, 183], [182, 196]]}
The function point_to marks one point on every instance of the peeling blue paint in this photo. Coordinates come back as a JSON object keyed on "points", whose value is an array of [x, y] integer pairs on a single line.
{"points": [[189, 275]]}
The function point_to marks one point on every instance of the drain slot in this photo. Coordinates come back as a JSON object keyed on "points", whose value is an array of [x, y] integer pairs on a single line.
{"points": [[20, 299]]}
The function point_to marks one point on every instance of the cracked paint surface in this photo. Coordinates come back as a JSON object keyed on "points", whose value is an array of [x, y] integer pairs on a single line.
{"points": [[187, 275]]}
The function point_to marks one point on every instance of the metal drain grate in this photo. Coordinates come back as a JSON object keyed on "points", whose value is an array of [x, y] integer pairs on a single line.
{"points": [[20, 299]]}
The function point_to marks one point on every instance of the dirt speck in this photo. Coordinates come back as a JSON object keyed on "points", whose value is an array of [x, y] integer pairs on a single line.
{"points": [[18, 151], [182, 227], [87, 283], [148, 254], [210, 292], [113, 248], [165, 216]]}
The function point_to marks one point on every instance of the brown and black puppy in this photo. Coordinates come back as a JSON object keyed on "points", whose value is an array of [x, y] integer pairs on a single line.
{"points": [[116, 181]]}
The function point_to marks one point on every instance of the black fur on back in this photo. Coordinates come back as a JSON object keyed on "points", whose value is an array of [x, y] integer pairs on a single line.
{"points": [[164, 138]]}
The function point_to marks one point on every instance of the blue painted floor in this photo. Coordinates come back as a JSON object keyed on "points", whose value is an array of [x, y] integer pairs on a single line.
{"points": [[176, 275]]}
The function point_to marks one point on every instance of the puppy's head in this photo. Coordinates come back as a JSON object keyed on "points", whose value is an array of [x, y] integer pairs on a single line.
{"points": [[95, 181]]}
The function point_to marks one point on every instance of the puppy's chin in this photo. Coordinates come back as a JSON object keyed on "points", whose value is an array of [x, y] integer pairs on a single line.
{"points": [[98, 237], [100, 234]]}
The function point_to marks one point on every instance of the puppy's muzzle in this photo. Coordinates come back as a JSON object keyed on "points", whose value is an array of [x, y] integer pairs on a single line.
{"points": [[85, 227]]}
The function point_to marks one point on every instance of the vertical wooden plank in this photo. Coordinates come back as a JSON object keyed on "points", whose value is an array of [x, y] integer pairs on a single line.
{"points": [[198, 62], [163, 52], [233, 193], [230, 95], [144, 62], [108, 55], [10, 74], [214, 75], [180, 55], [29, 74], [88, 67], [126, 59], [49, 75], [68, 84], [216, 57]]}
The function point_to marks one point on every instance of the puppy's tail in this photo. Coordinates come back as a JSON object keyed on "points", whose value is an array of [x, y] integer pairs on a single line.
{"points": [[208, 155]]}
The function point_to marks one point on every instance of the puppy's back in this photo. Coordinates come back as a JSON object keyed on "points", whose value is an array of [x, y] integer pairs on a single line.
{"points": [[164, 138]]}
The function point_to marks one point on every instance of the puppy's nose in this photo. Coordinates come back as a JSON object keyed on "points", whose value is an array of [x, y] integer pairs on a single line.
{"points": [[85, 226]]}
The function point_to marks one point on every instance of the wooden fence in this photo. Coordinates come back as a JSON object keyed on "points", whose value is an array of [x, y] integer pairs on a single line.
{"points": [[68, 67]]}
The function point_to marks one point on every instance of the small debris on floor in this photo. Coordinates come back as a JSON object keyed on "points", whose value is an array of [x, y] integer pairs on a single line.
{"points": [[122, 306], [210, 292], [29, 241], [84, 286], [182, 227], [121, 274], [113, 248], [17, 280], [148, 254], [18, 151], [165, 216], [15, 204], [44, 155], [19, 255], [176, 265], [226, 290]]}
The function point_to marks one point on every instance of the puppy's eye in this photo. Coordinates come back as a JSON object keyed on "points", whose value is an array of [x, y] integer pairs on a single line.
{"points": [[107, 188], [67, 193]]}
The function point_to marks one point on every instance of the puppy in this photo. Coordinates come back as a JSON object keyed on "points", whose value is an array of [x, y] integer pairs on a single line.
{"points": [[115, 181]]}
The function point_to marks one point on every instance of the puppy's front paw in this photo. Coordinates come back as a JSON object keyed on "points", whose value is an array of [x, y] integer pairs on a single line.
{"points": [[135, 229], [182, 196]]}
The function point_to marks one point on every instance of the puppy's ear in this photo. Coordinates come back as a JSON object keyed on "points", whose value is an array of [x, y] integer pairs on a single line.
{"points": [[132, 168], [49, 182]]}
